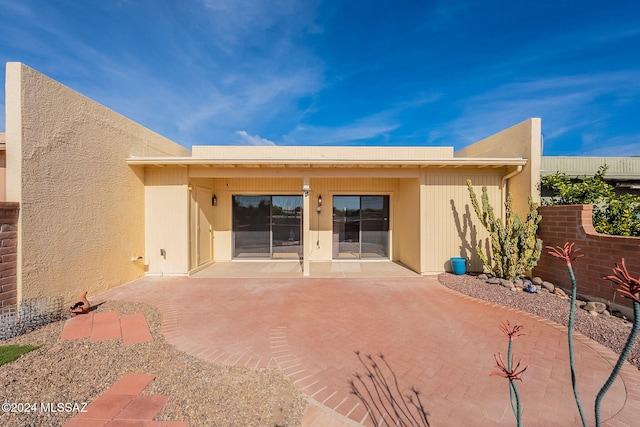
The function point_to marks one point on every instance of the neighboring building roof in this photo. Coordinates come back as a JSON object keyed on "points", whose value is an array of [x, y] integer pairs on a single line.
{"points": [[619, 168]]}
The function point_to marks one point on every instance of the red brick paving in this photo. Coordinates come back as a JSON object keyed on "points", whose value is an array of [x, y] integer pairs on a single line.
{"points": [[435, 339], [133, 328], [78, 327], [123, 406]]}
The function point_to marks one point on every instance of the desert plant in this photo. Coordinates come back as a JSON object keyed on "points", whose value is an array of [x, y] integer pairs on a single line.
{"points": [[568, 254], [509, 371], [628, 287], [514, 246], [382, 398]]}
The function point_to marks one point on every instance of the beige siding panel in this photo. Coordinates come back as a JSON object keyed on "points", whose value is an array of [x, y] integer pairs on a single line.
{"points": [[406, 236], [347, 153], [452, 228], [167, 224], [166, 176]]}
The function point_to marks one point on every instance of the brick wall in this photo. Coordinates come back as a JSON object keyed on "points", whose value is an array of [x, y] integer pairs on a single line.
{"points": [[573, 223], [8, 252]]}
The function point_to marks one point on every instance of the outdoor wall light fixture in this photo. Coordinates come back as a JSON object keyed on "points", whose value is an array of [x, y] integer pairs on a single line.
{"points": [[214, 201], [306, 190], [319, 208]]}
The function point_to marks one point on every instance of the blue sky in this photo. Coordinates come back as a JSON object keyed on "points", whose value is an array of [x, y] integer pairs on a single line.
{"points": [[307, 72]]}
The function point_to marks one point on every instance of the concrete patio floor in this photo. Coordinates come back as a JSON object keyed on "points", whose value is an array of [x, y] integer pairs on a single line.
{"points": [[291, 269], [436, 340]]}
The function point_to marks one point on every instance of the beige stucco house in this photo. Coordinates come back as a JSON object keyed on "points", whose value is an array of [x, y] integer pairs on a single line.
{"points": [[105, 201]]}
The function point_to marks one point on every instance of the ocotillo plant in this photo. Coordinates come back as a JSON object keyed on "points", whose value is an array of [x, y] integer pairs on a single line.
{"points": [[509, 371], [628, 287], [514, 246], [382, 398], [568, 254]]}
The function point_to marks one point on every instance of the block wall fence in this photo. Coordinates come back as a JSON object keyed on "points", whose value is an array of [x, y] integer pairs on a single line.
{"points": [[573, 223], [8, 252]]}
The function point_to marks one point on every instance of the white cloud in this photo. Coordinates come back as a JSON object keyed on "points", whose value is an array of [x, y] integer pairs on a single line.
{"points": [[253, 139]]}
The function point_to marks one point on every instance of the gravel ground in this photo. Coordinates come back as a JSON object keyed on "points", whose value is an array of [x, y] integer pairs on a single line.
{"points": [[203, 393], [609, 331]]}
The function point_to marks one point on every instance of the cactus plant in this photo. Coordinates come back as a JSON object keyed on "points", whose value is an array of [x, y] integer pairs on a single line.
{"points": [[514, 246]]}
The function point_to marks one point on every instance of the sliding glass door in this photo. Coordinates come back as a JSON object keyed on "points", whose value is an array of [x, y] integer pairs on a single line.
{"points": [[360, 227], [267, 227]]}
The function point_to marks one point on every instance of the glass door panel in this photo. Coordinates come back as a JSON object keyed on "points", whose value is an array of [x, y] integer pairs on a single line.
{"points": [[374, 227], [360, 227], [346, 226], [286, 226], [251, 226]]}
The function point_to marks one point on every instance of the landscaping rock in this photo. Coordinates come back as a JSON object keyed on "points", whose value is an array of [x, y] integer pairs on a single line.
{"points": [[580, 303], [547, 285], [596, 306], [506, 283], [493, 281], [593, 313], [559, 292], [519, 283], [537, 281], [483, 276]]}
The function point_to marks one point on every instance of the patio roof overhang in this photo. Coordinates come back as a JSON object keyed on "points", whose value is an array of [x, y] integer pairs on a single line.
{"points": [[302, 162]]}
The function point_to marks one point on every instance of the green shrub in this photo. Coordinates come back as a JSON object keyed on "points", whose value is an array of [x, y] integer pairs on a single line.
{"points": [[612, 214]]}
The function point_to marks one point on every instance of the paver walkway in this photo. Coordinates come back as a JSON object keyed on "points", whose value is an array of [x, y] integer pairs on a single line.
{"points": [[122, 405], [435, 339], [132, 328]]}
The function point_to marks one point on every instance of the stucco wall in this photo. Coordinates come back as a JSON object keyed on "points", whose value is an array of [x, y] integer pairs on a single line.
{"points": [[82, 207], [573, 223], [522, 140]]}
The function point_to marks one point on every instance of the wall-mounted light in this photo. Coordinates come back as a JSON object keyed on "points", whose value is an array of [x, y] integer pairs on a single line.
{"points": [[306, 190], [214, 200], [319, 208]]}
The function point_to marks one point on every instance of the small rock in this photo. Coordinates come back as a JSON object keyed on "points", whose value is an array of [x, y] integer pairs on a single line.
{"points": [[493, 281], [518, 283], [531, 289], [606, 313], [514, 289], [537, 281], [506, 283], [483, 276], [596, 306], [547, 285], [580, 303], [593, 313], [559, 292]]}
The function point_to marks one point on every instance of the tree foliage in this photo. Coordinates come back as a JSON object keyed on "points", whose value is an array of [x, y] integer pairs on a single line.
{"points": [[514, 246], [612, 214]]}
